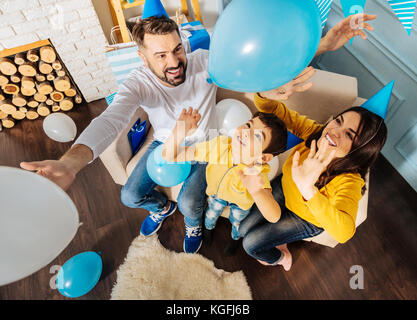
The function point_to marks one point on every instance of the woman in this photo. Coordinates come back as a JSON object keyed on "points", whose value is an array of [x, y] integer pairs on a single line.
{"points": [[321, 183]]}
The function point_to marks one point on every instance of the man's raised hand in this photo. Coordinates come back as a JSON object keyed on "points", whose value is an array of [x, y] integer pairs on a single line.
{"points": [[56, 171]]}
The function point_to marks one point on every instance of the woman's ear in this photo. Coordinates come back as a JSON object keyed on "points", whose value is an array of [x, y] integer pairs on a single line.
{"points": [[266, 157]]}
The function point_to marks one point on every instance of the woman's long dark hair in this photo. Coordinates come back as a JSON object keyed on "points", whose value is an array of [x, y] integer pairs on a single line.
{"points": [[366, 146]]}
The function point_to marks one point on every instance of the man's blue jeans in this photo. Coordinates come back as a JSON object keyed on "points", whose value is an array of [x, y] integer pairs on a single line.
{"points": [[138, 192], [261, 236]]}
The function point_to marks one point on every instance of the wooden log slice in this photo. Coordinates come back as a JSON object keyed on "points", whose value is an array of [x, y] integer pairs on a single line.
{"points": [[49, 102], [3, 80], [56, 108], [40, 97], [50, 77], [57, 96], [60, 73], [2, 97], [23, 109], [27, 69], [62, 83], [40, 77], [28, 91], [28, 82], [78, 99], [18, 115], [43, 110], [3, 115], [57, 65], [19, 58], [44, 67], [7, 106], [32, 55], [9, 122], [66, 104], [47, 54], [10, 88], [71, 92], [19, 100], [32, 115], [32, 103], [14, 78], [7, 67], [44, 88]]}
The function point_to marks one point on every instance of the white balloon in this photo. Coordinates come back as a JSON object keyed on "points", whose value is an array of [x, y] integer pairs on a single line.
{"points": [[274, 167], [59, 127], [231, 114], [37, 221]]}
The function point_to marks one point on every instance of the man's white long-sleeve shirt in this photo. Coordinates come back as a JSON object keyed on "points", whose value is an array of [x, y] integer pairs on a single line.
{"points": [[162, 104]]}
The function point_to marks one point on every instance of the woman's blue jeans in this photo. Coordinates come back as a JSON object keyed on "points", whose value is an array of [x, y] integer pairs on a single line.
{"points": [[260, 236], [139, 191]]}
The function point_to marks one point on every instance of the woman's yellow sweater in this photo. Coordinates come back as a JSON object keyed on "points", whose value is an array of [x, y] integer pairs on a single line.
{"points": [[334, 207]]}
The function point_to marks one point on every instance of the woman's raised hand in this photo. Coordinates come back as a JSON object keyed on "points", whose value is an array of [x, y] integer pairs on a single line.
{"points": [[305, 175], [345, 30]]}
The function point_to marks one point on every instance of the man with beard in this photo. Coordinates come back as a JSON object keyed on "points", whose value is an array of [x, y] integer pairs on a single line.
{"points": [[167, 82]]}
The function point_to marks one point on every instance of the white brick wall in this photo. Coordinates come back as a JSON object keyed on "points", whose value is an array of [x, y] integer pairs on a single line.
{"points": [[73, 28]]}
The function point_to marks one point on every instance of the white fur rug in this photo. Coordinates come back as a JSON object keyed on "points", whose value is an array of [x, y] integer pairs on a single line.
{"points": [[151, 272]]}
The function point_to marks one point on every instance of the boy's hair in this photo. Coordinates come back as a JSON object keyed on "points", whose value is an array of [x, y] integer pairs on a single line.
{"points": [[153, 25], [279, 134]]}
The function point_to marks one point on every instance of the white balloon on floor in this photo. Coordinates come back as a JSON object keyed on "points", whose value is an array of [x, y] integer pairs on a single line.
{"points": [[37, 221], [59, 127], [231, 114]]}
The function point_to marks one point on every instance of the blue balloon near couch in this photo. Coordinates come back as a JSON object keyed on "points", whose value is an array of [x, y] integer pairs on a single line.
{"points": [[164, 173]]}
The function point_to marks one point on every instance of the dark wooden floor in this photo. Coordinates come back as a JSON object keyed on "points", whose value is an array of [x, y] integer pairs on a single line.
{"points": [[385, 245]]}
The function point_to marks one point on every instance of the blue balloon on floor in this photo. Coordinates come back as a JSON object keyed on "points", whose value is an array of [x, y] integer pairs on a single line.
{"points": [[79, 274], [164, 173], [261, 45]]}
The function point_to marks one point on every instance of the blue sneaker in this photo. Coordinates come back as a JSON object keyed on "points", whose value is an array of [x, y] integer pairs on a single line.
{"points": [[193, 239], [153, 222]]}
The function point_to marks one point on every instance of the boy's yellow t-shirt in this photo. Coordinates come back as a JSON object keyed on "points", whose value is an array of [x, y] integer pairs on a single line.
{"points": [[222, 176]]}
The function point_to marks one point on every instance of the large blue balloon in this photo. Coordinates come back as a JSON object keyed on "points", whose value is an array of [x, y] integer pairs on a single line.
{"points": [[261, 45], [79, 274], [164, 173]]}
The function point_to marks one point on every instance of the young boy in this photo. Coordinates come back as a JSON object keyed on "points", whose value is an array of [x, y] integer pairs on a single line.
{"points": [[252, 146]]}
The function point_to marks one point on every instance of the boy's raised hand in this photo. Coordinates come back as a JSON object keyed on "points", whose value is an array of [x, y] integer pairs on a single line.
{"points": [[188, 121], [252, 180]]}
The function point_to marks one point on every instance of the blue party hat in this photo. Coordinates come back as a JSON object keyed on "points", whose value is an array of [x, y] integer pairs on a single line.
{"points": [[379, 103], [154, 8]]}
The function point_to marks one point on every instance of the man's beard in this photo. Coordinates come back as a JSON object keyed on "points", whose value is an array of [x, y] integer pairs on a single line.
{"points": [[165, 79]]}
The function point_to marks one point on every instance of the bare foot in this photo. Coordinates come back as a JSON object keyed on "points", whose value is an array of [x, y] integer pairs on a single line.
{"points": [[286, 260]]}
